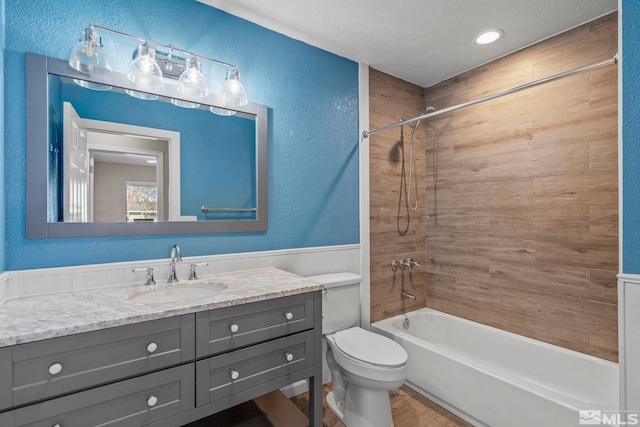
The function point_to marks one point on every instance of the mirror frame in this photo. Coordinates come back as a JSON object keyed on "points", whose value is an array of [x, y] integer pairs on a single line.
{"points": [[38, 68]]}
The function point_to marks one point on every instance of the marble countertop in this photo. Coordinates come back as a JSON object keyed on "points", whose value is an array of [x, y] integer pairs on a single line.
{"points": [[37, 317]]}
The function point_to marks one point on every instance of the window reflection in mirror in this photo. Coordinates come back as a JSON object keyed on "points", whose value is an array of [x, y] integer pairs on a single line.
{"points": [[100, 140]]}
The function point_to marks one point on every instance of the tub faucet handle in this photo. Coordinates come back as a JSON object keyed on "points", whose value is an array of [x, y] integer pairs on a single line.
{"points": [[410, 263]]}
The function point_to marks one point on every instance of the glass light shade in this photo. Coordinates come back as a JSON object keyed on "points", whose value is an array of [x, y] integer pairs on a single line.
{"points": [[233, 93], [141, 95], [184, 104], [191, 84], [222, 111], [144, 71], [88, 57], [92, 85]]}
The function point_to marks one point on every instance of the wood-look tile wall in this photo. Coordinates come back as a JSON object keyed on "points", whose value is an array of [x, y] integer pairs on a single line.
{"points": [[521, 194], [396, 231]]}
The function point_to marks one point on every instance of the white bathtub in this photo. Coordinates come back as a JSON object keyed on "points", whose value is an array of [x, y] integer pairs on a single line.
{"points": [[491, 377]]}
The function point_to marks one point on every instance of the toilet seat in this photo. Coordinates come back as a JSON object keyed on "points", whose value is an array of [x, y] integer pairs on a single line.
{"points": [[370, 348]]}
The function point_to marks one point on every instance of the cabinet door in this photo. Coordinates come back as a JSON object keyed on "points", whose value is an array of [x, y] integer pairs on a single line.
{"points": [[134, 402], [6, 379], [6, 419], [228, 375], [228, 328], [49, 368]]}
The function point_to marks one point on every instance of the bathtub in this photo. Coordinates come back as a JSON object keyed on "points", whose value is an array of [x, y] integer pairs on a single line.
{"points": [[491, 377]]}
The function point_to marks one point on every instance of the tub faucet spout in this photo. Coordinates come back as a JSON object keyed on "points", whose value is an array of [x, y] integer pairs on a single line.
{"points": [[407, 295], [175, 251]]}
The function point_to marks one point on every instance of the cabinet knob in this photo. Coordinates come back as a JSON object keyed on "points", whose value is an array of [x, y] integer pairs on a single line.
{"points": [[56, 425], [235, 375], [234, 328], [288, 315], [151, 401], [55, 368], [289, 357], [152, 347]]}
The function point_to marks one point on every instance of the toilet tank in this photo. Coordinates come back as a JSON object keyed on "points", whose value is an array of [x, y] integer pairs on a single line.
{"points": [[341, 301]]}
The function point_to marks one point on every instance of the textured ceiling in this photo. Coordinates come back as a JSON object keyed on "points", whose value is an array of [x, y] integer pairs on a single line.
{"points": [[421, 41]]}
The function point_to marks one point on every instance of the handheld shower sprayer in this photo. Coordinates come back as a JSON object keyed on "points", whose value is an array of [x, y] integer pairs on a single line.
{"points": [[413, 176]]}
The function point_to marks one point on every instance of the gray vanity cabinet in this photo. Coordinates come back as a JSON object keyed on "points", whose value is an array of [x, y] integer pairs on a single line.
{"points": [[44, 369], [135, 402], [230, 376], [228, 328], [166, 372]]}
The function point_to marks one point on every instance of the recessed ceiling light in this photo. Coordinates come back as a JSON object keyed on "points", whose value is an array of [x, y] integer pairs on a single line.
{"points": [[489, 36]]}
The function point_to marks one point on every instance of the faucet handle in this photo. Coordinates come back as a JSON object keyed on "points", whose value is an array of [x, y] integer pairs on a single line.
{"points": [[192, 274], [150, 279], [413, 263]]}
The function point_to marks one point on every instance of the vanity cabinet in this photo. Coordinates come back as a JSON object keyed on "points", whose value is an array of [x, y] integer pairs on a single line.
{"points": [[49, 368], [138, 401], [165, 372]]}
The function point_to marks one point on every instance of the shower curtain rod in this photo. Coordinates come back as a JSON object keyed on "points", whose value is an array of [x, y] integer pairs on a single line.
{"points": [[593, 66]]}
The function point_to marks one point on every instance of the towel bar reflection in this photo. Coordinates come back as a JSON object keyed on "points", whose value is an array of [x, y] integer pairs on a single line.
{"points": [[207, 209]]}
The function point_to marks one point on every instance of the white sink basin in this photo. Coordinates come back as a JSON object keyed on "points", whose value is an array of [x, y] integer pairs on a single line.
{"points": [[178, 292]]}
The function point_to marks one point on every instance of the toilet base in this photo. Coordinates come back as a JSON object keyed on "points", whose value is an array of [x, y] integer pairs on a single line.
{"points": [[333, 406], [363, 407]]}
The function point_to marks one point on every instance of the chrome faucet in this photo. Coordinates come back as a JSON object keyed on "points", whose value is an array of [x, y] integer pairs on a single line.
{"points": [[407, 295], [404, 263], [408, 264], [175, 251]]}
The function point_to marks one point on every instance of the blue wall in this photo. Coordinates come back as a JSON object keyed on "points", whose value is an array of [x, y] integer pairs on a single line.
{"points": [[2, 145], [631, 137], [313, 136]]}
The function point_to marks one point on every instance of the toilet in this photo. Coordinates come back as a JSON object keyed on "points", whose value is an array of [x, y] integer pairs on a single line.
{"points": [[364, 366]]}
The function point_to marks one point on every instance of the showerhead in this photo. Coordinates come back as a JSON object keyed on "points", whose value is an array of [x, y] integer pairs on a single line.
{"points": [[414, 125]]}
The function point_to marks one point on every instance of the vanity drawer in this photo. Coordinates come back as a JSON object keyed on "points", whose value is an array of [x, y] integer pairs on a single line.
{"points": [[228, 328], [49, 368], [134, 402], [229, 374]]}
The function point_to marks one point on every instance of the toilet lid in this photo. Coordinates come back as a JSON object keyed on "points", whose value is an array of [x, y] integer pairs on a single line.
{"points": [[370, 348]]}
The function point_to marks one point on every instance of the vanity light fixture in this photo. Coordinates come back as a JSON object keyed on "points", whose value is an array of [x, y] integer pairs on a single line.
{"points": [[88, 57], [144, 71], [191, 83], [489, 36], [150, 67], [233, 93]]}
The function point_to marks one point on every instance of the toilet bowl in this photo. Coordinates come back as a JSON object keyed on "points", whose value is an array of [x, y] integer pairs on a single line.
{"points": [[364, 368]]}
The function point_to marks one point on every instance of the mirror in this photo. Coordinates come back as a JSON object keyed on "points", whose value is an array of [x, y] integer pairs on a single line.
{"points": [[103, 163]]}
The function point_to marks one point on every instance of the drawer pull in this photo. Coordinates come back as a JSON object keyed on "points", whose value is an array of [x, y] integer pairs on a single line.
{"points": [[151, 401], [289, 357], [55, 368], [56, 425], [234, 328], [235, 375], [288, 315], [152, 347]]}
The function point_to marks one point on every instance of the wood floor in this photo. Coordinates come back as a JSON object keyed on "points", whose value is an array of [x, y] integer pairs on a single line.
{"points": [[409, 409]]}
